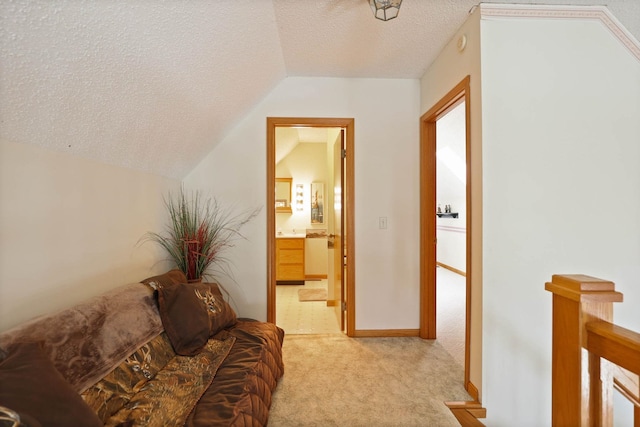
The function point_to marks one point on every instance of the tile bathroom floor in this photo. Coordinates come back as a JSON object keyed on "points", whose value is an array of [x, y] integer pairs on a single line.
{"points": [[308, 317]]}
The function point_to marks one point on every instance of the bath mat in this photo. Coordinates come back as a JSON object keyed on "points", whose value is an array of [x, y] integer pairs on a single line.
{"points": [[313, 294]]}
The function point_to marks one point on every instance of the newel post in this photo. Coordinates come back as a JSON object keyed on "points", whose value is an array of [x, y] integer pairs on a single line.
{"points": [[577, 299]]}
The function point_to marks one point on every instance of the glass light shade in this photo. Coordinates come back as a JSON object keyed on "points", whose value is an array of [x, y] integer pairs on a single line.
{"points": [[385, 9], [299, 197]]}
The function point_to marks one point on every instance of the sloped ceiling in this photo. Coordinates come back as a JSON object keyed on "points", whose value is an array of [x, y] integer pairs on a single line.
{"points": [[288, 138], [155, 85], [451, 185]]}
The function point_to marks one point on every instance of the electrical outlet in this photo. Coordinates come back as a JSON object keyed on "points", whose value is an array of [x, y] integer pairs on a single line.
{"points": [[382, 223]]}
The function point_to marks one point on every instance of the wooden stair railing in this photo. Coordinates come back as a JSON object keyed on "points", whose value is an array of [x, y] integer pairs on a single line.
{"points": [[591, 355]]}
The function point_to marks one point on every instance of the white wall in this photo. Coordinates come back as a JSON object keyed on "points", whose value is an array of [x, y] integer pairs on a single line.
{"points": [[449, 69], [386, 115], [69, 228], [555, 145], [451, 188], [452, 242], [561, 190]]}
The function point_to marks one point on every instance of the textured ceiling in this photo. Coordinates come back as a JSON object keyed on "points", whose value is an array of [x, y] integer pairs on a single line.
{"points": [[155, 85]]}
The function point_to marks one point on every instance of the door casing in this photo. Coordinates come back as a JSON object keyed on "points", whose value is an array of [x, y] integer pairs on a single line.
{"points": [[428, 218], [348, 124]]}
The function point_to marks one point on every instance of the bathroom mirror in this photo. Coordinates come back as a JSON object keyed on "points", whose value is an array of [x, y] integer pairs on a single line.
{"points": [[283, 194]]}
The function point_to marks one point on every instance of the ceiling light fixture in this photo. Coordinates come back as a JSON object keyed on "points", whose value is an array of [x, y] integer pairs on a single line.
{"points": [[385, 9], [299, 197]]}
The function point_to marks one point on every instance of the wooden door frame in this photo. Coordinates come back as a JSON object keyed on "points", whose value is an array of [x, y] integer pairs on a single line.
{"points": [[428, 255], [348, 180]]}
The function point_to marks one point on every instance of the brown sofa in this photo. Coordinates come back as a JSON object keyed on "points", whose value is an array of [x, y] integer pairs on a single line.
{"points": [[175, 355]]}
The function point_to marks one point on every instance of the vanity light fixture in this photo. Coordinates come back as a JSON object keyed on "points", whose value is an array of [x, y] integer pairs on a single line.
{"points": [[385, 10], [299, 197]]}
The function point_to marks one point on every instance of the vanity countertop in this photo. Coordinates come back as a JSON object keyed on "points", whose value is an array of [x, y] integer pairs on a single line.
{"points": [[291, 236]]}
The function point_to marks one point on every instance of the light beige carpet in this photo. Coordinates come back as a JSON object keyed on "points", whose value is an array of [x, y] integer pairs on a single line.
{"points": [[332, 380], [451, 306], [313, 294]]}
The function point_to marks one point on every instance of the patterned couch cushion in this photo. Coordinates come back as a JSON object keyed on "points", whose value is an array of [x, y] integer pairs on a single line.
{"points": [[167, 399], [112, 392]]}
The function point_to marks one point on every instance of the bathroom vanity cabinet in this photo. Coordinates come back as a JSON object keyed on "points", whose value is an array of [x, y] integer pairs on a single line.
{"points": [[290, 260]]}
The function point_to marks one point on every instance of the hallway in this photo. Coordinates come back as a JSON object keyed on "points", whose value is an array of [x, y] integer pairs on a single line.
{"points": [[451, 300], [314, 317]]}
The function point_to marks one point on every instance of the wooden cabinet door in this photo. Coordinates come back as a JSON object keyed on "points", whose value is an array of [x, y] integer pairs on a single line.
{"points": [[289, 259]]}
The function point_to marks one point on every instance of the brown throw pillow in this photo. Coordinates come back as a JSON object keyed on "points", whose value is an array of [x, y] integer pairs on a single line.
{"points": [[31, 386], [171, 277], [191, 313], [184, 318], [220, 313]]}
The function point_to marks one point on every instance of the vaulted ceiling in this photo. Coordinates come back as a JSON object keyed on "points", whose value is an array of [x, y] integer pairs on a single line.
{"points": [[155, 85]]}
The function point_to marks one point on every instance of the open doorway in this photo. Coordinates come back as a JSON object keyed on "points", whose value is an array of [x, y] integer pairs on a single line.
{"points": [[305, 229], [310, 226], [456, 101], [451, 249]]}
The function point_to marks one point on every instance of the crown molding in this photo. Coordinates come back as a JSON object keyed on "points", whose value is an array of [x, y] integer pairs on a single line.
{"points": [[598, 13]]}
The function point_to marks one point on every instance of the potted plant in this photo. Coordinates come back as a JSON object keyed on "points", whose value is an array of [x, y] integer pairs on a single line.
{"points": [[199, 232]]}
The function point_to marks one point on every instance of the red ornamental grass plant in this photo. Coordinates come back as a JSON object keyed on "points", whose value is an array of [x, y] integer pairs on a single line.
{"points": [[198, 233]]}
